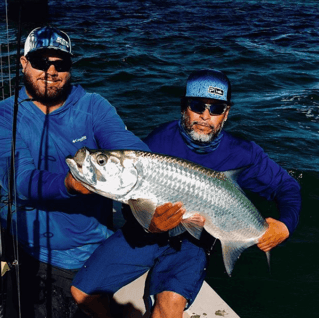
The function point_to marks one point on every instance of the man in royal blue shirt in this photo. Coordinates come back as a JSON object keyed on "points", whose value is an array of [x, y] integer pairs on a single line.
{"points": [[57, 227]]}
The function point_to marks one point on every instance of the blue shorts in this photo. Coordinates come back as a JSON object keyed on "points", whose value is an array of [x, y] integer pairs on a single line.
{"points": [[120, 260]]}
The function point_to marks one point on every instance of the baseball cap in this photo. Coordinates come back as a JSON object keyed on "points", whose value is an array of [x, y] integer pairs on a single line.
{"points": [[47, 38], [209, 83]]}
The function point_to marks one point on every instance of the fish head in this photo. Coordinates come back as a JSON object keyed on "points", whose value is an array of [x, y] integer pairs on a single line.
{"points": [[109, 173]]}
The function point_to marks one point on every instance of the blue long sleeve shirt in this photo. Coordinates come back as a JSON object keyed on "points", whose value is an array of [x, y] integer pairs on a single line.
{"points": [[261, 174], [52, 225]]}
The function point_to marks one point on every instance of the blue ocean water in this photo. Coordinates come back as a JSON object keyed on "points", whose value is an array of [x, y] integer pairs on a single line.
{"points": [[138, 54]]}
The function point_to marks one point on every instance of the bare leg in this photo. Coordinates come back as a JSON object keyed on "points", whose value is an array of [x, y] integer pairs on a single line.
{"points": [[95, 306], [169, 305]]}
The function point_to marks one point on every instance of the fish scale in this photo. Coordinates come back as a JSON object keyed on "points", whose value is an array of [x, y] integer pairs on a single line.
{"points": [[145, 180], [169, 175]]}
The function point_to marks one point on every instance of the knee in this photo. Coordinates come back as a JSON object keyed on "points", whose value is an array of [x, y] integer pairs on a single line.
{"points": [[91, 305], [79, 296], [169, 304]]}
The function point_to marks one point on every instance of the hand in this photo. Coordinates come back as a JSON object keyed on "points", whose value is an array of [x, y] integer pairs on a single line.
{"points": [[73, 186], [276, 233], [166, 217]]}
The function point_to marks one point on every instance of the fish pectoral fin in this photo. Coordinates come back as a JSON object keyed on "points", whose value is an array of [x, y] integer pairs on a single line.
{"points": [[194, 225], [179, 229], [268, 260], [231, 252], [143, 210]]}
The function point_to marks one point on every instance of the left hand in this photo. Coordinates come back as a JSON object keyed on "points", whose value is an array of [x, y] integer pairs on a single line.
{"points": [[166, 217], [277, 232], [73, 186]]}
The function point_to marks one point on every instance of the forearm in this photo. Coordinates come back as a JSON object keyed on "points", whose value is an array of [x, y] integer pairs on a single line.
{"points": [[289, 206], [41, 186]]}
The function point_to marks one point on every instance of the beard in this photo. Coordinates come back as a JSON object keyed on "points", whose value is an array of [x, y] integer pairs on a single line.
{"points": [[51, 96], [198, 137]]}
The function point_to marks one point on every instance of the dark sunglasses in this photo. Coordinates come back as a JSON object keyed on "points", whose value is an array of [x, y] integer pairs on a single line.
{"points": [[199, 107], [43, 64]]}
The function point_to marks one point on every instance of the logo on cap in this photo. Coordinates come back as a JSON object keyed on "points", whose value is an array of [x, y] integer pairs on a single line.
{"points": [[62, 41], [215, 90]]}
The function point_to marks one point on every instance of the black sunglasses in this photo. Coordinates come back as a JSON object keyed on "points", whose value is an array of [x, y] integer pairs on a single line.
{"points": [[43, 64], [199, 107]]}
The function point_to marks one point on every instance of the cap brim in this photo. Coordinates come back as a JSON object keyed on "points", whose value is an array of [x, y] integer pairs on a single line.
{"points": [[49, 48]]}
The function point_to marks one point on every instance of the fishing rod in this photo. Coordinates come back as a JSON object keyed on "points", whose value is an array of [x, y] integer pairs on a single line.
{"points": [[8, 246]]}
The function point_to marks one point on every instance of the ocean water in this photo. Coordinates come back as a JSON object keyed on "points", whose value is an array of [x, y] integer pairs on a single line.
{"points": [[138, 55]]}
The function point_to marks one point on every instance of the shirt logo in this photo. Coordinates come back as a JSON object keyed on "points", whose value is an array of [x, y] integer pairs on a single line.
{"points": [[79, 139], [215, 90]]}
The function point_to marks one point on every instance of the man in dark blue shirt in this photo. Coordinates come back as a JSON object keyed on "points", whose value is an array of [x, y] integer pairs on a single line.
{"points": [[199, 137]]}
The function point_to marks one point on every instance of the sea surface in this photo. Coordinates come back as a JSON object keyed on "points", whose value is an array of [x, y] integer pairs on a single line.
{"points": [[138, 55]]}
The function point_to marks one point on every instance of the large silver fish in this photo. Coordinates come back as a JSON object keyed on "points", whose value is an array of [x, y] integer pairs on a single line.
{"points": [[145, 180]]}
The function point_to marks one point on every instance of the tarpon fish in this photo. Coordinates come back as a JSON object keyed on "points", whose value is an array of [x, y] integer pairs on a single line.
{"points": [[145, 180]]}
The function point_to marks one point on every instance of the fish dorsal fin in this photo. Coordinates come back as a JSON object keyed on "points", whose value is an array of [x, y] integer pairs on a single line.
{"points": [[231, 252], [143, 210], [233, 176]]}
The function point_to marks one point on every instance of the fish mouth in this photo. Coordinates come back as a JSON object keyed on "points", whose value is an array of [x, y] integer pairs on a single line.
{"points": [[72, 163], [79, 165], [78, 158]]}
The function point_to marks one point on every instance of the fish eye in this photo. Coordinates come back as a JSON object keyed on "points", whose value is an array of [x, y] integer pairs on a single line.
{"points": [[101, 160]]}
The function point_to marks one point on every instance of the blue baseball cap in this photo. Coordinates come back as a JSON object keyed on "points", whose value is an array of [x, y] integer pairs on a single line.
{"points": [[47, 38], [209, 83]]}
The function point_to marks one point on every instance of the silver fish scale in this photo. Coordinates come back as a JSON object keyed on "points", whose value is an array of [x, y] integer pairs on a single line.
{"points": [[149, 179], [201, 190]]}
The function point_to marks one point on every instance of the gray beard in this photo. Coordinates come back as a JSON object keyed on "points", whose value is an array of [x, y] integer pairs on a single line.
{"points": [[203, 138]]}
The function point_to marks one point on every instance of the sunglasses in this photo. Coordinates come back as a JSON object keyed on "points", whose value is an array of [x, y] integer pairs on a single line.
{"points": [[199, 107], [43, 64]]}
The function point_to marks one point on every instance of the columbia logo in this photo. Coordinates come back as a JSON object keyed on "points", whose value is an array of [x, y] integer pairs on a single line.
{"points": [[79, 140], [215, 90]]}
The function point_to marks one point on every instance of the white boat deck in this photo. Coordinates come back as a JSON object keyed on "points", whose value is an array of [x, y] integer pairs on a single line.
{"points": [[207, 304]]}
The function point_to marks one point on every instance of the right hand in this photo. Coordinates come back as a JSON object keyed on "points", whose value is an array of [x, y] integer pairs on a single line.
{"points": [[166, 217], [276, 233], [73, 186]]}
